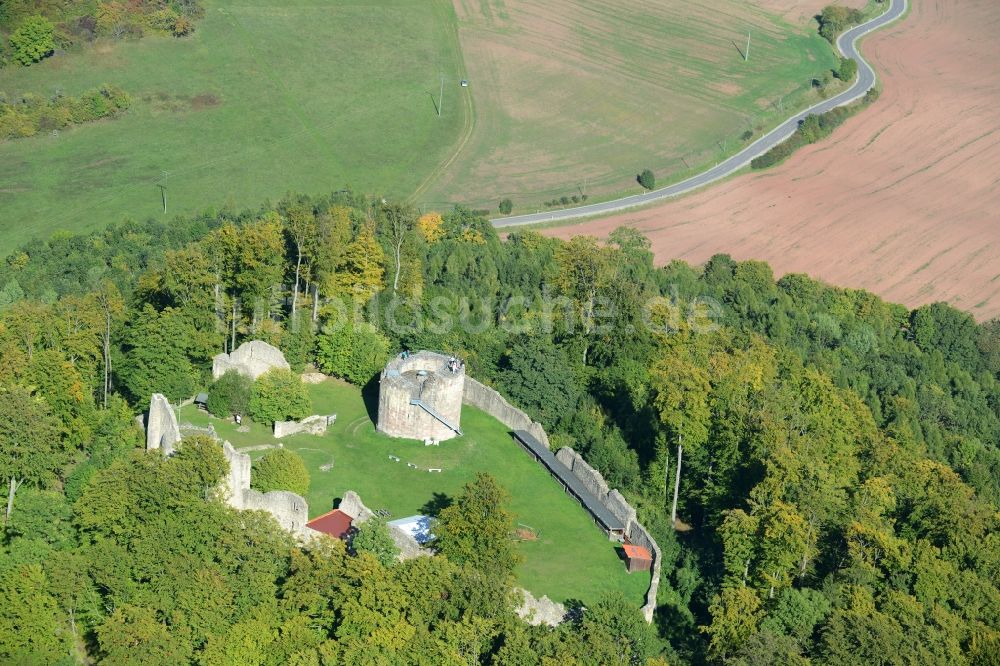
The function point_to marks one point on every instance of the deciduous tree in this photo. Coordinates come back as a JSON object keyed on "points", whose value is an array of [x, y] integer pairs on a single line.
{"points": [[281, 469], [478, 528], [32, 448]]}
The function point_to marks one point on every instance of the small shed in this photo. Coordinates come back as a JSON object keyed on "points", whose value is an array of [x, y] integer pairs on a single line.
{"points": [[637, 558], [201, 401], [336, 523]]}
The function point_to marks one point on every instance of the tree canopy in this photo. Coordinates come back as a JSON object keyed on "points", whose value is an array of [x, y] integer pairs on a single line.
{"points": [[840, 469]]}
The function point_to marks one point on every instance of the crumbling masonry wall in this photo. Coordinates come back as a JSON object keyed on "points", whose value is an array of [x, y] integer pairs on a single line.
{"points": [[251, 359], [162, 431], [290, 510], [408, 547], [483, 397], [614, 502], [311, 425]]}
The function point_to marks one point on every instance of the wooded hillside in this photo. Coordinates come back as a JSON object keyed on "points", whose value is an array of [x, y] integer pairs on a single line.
{"points": [[839, 477]]}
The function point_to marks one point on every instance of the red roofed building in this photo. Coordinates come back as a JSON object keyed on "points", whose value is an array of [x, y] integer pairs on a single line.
{"points": [[336, 523], [637, 558]]}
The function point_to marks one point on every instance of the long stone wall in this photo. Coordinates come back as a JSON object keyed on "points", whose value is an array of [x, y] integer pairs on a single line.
{"points": [[614, 502], [479, 395], [483, 397]]}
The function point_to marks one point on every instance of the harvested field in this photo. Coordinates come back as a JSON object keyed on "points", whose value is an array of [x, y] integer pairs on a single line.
{"points": [[577, 96], [903, 200], [798, 11]]}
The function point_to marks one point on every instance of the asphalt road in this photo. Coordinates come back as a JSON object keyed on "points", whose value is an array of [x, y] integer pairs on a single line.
{"points": [[847, 44]]}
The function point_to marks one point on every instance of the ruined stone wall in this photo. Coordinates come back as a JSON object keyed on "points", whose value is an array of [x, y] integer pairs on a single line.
{"points": [[352, 505], [162, 431], [290, 510], [421, 376], [408, 547], [640, 536], [537, 612], [616, 503], [483, 397], [251, 359], [592, 479], [620, 508], [311, 425], [237, 482]]}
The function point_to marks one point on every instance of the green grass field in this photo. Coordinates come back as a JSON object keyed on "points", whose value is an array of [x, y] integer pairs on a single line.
{"points": [[565, 97], [571, 558], [263, 99], [578, 96]]}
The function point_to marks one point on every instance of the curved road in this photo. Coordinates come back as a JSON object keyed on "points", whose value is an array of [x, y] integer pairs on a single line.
{"points": [[847, 43]]}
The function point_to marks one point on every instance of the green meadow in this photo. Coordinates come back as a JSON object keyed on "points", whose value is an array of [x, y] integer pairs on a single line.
{"points": [[566, 97], [263, 99], [569, 558]]}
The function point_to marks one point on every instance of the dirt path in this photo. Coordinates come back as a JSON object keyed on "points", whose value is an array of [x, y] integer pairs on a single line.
{"points": [[903, 200]]}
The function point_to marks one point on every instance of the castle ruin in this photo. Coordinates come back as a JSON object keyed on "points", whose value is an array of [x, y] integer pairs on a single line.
{"points": [[420, 396], [290, 510]]}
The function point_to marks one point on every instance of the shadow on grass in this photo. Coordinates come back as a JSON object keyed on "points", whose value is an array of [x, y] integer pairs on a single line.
{"points": [[370, 396], [574, 610], [436, 504]]}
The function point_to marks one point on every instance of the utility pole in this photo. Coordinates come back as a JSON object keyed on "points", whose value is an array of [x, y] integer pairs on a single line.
{"points": [[441, 96], [163, 189], [746, 56]]}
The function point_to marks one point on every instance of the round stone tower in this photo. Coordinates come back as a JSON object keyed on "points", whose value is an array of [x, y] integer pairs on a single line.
{"points": [[420, 396]]}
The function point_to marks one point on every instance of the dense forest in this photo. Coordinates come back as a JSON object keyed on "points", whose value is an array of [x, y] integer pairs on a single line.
{"points": [[839, 481]]}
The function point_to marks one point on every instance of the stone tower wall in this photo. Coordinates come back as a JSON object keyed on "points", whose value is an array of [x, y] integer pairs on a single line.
{"points": [[440, 389]]}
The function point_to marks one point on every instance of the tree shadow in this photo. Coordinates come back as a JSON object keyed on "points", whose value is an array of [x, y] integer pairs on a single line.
{"points": [[574, 611], [369, 394], [436, 504]]}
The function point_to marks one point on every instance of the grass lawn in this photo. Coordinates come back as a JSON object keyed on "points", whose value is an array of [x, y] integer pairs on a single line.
{"points": [[575, 96], [571, 558], [264, 98]]}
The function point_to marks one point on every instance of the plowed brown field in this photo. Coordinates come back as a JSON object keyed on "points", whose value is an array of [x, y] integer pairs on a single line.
{"points": [[903, 200]]}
